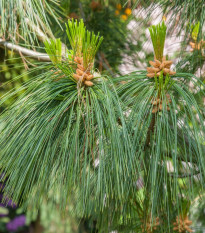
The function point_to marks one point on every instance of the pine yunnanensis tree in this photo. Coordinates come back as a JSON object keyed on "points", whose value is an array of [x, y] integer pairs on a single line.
{"points": [[71, 131]]}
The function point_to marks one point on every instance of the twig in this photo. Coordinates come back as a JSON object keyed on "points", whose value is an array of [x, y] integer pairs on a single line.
{"points": [[105, 65], [43, 37], [39, 33], [150, 130], [81, 10], [26, 52]]}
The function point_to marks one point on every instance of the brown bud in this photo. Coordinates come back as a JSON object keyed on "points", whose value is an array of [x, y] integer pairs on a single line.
{"points": [[85, 76], [158, 63], [151, 75], [81, 67], [172, 73], [166, 71], [88, 72], [89, 77], [155, 102], [155, 109], [152, 70], [76, 59], [160, 106], [76, 77], [79, 72], [192, 44], [188, 222], [153, 64], [161, 66], [167, 63], [88, 83]]}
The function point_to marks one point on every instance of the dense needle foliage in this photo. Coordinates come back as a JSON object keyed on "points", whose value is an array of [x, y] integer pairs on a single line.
{"points": [[127, 152], [62, 132]]}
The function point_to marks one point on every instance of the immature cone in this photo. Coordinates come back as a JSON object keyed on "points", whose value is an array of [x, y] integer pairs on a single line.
{"points": [[157, 104], [197, 46], [158, 66], [151, 226], [182, 224], [82, 74]]}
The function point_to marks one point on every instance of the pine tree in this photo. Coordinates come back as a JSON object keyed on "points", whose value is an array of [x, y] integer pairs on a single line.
{"points": [[128, 151]]}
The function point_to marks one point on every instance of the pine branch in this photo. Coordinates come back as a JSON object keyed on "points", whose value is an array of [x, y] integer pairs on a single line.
{"points": [[27, 52], [105, 65], [81, 11], [39, 33]]}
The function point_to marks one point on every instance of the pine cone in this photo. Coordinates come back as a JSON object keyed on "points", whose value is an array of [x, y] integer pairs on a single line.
{"points": [[182, 224], [158, 67]]}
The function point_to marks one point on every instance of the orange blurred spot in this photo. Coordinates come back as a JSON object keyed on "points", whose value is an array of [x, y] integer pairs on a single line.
{"points": [[128, 11], [124, 17], [119, 6], [117, 12]]}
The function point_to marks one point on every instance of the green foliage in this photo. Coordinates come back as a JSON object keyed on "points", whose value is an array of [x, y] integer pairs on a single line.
{"points": [[12, 75], [158, 35], [195, 31], [19, 18], [165, 143], [118, 41], [54, 50], [83, 42], [59, 134], [93, 145], [76, 33]]}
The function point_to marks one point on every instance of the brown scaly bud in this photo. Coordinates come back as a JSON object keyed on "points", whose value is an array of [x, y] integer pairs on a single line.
{"points": [[166, 71], [76, 77], [197, 46], [83, 74], [151, 75], [182, 224], [81, 67], [78, 60], [167, 64], [157, 104], [89, 77], [172, 72], [79, 72], [158, 66], [151, 226], [153, 64], [152, 70], [89, 83], [158, 63]]}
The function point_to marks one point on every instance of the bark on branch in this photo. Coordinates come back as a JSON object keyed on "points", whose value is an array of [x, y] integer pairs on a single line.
{"points": [[26, 52]]}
